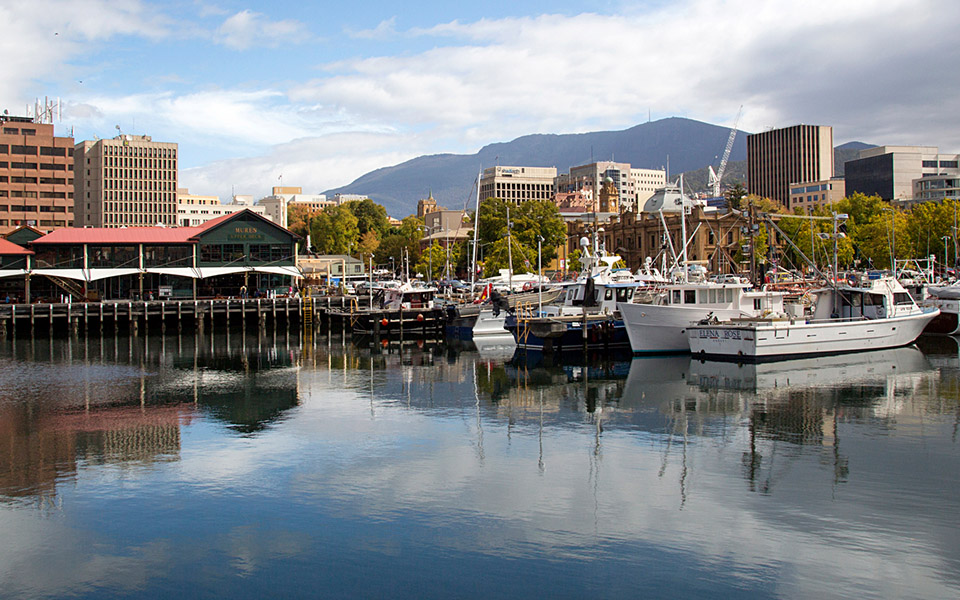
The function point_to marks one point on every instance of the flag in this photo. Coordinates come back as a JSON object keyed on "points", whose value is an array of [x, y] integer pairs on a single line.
{"points": [[486, 292]]}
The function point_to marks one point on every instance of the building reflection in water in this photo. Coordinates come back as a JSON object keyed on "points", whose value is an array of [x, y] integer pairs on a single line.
{"points": [[69, 402]]}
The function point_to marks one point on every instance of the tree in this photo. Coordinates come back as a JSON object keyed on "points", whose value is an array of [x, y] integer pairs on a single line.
{"points": [[434, 258], [400, 240], [530, 219], [370, 216], [735, 195], [298, 219], [369, 242], [334, 231]]}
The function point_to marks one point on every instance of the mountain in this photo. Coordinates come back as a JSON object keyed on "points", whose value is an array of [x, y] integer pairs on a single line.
{"points": [[685, 143]]}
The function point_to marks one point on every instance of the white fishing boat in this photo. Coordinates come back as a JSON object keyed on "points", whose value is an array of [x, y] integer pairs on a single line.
{"points": [[880, 314], [660, 325]]}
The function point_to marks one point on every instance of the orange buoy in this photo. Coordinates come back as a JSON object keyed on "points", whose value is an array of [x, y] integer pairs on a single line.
{"points": [[420, 317], [384, 322]]}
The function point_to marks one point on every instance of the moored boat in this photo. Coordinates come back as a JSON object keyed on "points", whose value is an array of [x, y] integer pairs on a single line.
{"points": [[881, 314]]}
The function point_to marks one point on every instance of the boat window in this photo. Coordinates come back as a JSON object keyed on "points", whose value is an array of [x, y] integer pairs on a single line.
{"points": [[902, 298], [713, 296], [704, 296], [689, 296], [608, 295], [873, 300], [630, 293], [756, 304], [676, 297]]}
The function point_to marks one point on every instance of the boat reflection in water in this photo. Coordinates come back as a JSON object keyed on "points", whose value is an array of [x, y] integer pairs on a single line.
{"points": [[420, 470]]}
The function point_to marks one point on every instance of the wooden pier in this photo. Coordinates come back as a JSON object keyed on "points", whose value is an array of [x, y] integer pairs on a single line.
{"points": [[33, 319], [347, 313]]}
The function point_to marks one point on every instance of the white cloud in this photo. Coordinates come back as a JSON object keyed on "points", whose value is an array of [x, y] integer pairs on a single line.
{"points": [[248, 29], [42, 36], [315, 164], [385, 29]]}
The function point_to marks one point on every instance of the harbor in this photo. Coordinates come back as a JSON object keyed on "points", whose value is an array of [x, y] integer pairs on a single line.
{"points": [[209, 460]]}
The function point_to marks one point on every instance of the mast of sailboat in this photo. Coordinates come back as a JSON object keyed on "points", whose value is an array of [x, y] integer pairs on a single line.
{"points": [[683, 231], [476, 230]]}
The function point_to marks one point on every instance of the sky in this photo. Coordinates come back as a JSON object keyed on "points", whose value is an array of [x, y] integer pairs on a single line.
{"points": [[314, 95]]}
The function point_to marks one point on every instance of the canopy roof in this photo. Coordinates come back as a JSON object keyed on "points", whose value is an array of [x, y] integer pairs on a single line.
{"points": [[143, 235]]}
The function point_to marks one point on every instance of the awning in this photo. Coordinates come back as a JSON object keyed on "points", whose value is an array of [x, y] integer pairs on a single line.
{"points": [[176, 271], [288, 270], [97, 274], [206, 272], [77, 274], [12, 272]]}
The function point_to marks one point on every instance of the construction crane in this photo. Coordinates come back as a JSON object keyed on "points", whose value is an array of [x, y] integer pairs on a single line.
{"points": [[715, 177]]}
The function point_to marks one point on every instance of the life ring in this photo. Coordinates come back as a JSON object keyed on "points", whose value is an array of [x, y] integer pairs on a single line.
{"points": [[527, 286]]}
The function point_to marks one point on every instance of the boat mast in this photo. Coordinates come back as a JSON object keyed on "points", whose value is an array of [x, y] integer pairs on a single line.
{"points": [[683, 231], [476, 230]]}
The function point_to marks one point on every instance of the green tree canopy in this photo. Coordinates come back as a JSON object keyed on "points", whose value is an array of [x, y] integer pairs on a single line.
{"points": [[370, 216], [334, 231]]}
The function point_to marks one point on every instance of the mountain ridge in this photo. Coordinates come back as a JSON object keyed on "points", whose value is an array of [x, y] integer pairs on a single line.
{"points": [[682, 145]]}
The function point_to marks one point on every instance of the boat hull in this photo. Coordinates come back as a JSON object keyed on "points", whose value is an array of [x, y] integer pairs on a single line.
{"points": [[566, 334], [777, 340], [947, 322], [662, 329]]}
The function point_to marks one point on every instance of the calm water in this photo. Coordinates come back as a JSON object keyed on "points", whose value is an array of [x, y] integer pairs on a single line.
{"points": [[248, 466]]}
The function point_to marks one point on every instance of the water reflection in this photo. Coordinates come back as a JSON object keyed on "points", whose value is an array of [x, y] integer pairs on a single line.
{"points": [[123, 399], [349, 467]]}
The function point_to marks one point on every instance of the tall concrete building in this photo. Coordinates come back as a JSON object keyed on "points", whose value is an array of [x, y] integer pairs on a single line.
{"points": [[779, 157], [36, 175], [126, 181], [899, 172], [517, 184]]}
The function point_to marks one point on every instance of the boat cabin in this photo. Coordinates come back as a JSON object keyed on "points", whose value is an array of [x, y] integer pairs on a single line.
{"points": [[407, 297], [882, 298], [721, 296]]}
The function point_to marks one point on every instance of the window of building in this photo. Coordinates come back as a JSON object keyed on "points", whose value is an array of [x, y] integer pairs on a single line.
{"points": [[949, 164], [929, 164]]}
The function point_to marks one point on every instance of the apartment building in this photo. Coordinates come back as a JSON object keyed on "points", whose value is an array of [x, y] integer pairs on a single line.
{"points": [[36, 175], [126, 181], [779, 157]]}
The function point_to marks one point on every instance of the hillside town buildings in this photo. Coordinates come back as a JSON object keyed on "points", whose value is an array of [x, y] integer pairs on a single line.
{"points": [[36, 175]]}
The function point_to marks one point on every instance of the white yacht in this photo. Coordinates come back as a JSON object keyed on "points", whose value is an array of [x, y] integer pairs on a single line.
{"points": [[879, 314]]}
